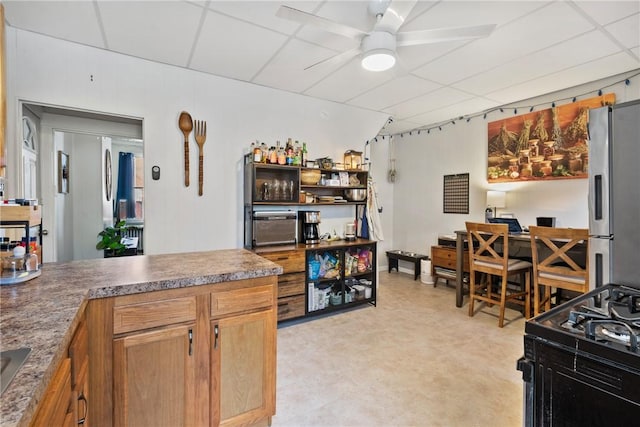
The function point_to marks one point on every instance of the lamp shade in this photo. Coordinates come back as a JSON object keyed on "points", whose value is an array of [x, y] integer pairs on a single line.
{"points": [[496, 199], [378, 60]]}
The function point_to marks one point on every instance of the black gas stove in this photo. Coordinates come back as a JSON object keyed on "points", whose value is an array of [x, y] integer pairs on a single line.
{"points": [[582, 361]]}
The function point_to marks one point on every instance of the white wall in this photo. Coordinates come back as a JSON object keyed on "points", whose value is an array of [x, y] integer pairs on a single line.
{"points": [[49, 71], [462, 148]]}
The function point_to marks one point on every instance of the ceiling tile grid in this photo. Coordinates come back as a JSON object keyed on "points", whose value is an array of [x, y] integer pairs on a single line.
{"points": [[537, 47]]}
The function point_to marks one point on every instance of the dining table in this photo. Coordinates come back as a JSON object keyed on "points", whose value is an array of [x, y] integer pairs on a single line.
{"points": [[519, 247]]}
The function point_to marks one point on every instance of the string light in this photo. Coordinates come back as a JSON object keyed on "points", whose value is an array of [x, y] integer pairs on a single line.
{"points": [[626, 81]]}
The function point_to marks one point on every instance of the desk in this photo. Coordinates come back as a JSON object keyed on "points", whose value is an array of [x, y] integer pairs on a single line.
{"points": [[519, 247]]}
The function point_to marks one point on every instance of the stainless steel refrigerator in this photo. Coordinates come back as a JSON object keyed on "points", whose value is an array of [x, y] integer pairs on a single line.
{"points": [[614, 194]]}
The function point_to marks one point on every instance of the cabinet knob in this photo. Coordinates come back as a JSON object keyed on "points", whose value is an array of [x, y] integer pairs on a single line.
{"points": [[45, 232]]}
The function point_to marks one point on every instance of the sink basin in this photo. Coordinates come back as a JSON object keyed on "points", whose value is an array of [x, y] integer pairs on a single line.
{"points": [[10, 362]]}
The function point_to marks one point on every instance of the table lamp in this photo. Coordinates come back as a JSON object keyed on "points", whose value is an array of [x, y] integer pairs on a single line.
{"points": [[495, 200]]}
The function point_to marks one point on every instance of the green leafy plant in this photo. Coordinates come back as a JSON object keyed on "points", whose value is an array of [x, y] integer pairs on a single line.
{"points": [[110, 238]]}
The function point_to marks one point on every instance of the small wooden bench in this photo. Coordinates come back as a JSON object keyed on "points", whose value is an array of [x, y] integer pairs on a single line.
{"points": [[394, 256]]}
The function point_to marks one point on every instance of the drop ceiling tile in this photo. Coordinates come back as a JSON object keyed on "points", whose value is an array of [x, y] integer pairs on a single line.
{"points": [[544, 27], [263, 13], [163, 31], [393, 92], [581, 74], [605, 12], [73, 21], [469, 107], [348, 82], [287, 69], [626, 31], [350, 13], [464, 13], [434, 100], [398, 126], [582, 49], [232, 48]]}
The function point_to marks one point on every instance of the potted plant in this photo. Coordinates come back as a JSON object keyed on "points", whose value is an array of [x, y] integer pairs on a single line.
{"points": [[111, 241]]}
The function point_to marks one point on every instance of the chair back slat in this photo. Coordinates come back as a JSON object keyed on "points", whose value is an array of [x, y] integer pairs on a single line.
{"points": [[483, 239]]}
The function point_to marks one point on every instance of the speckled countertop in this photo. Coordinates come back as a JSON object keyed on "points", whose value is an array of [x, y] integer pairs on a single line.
{"points": [[41, 313]]}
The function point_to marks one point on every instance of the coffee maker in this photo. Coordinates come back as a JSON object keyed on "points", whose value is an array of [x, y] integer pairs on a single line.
{"points": [[309, 233]]}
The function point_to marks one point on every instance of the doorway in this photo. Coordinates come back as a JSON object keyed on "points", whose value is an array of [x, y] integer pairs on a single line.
{"points": [[74, 214]]}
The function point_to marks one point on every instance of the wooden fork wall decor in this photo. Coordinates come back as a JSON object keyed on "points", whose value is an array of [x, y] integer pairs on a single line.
{"points": [[200, 133]]}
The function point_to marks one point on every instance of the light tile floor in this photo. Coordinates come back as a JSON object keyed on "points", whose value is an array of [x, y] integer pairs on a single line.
{"points": [[414, 360]]}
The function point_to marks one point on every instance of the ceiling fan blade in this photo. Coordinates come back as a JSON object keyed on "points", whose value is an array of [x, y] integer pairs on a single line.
{"points": [[292, 14], [337, 59], [412, 38], [395, 16]]}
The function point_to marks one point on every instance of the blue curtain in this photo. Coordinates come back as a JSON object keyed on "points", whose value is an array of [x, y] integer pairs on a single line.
{"points": [[125, 204]]}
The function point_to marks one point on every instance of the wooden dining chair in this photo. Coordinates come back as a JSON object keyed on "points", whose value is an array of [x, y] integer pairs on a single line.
{"points": [[553, 267], [489, 256]]}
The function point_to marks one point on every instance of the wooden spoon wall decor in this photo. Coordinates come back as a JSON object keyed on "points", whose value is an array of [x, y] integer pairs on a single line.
{"points": [[186, 125]]}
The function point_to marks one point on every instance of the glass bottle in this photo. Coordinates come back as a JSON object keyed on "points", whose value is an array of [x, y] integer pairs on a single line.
{"points": [[273, 155], [282, 159], [257, 153], [289, 152], [265, 150], [303, 155], [296, 153]]}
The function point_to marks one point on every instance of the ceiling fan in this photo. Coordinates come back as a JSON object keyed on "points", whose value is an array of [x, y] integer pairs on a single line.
{"points": [[378, 46]]}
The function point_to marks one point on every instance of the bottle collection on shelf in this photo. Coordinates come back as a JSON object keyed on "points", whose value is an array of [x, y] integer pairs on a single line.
{"points": [[292, 154]]}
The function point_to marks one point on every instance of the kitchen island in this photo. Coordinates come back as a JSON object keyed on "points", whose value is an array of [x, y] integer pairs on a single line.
{"points": [[44, 313]]}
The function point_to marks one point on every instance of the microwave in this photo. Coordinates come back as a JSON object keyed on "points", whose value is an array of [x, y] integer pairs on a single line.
{"points": [[274, 227]]}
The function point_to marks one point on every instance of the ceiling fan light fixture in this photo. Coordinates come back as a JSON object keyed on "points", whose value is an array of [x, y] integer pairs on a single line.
{"points": [[378, 60], [378, 51]]}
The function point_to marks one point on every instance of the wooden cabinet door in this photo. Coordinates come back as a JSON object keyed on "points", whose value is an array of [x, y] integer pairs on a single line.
{"points": [[154, 377], [243, 369]]}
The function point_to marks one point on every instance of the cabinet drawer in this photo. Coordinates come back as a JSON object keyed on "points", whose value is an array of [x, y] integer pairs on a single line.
{"points": [[291, 261], [239, 300], [444, 262], [446, 257], [290, 307], [153, 314], [291, 284]]}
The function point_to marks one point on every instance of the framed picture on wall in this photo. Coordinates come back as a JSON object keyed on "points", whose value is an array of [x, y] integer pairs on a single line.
{"points": [[63, 172]]}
